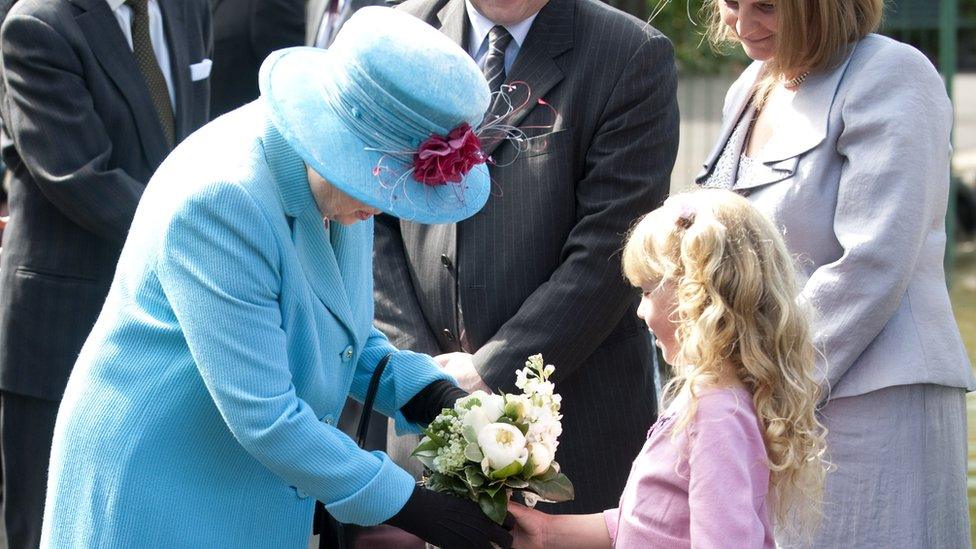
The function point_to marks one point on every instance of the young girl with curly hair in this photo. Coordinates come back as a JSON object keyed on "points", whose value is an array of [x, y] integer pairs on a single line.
{"points": [[738, 451]]}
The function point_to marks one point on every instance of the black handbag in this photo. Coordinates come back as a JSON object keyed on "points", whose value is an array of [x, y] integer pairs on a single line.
{"points": [[332, 533]]}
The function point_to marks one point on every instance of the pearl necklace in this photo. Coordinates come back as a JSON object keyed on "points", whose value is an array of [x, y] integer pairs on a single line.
{"points": [[794, 83]]}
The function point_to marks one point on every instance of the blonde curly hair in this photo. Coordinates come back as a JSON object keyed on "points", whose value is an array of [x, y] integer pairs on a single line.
{"points": [[736, 294]]}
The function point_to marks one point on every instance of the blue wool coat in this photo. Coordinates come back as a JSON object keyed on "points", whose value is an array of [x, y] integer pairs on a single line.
{"points": [[200, 412]]}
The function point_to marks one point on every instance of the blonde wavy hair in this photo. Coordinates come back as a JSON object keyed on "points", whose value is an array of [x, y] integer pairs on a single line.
{"points": [[736, 294], [812, 35]]}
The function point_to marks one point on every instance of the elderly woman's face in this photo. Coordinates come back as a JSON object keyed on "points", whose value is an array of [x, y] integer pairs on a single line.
{"points": [[336, 205], [754, 23]]}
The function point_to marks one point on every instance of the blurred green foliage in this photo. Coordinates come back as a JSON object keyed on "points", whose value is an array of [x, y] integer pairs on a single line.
{"points": [[684, 23]]}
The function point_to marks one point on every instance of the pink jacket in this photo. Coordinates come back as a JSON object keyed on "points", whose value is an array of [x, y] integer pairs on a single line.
{"points": [[706, 489]]}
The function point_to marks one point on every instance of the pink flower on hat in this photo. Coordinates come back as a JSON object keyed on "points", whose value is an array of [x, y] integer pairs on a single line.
{"points": [[441, 160]]}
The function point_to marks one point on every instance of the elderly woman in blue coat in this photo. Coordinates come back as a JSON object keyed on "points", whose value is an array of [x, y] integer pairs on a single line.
{"points": [[201, 410]]}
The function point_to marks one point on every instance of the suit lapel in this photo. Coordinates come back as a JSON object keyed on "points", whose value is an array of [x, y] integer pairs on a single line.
{"points": [[356, 269], [174, 21], [311, 240], [737, 104], [454, 22], [801, 128], [805, 124], [321, 266], [535, 70], [313, 19], [107, 42]]}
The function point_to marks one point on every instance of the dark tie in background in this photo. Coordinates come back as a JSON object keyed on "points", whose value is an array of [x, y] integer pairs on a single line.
{"points": [[149, 67], [498, 40]]}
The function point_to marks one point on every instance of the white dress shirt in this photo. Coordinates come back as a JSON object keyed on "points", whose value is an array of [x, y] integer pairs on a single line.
{"points": [[478, 41], [157, 35]]}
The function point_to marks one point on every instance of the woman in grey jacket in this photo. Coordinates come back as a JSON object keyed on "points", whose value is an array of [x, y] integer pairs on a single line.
{"points": [[842, 138]]}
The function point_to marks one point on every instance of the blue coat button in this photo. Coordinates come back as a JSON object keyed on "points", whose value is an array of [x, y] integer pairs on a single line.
{"points": [[329, 420], [347, 354], [301, 493]]}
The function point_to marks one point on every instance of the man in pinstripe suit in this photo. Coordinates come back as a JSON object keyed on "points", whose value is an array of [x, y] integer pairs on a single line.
{"points": [[537, 269], [95, 93]]}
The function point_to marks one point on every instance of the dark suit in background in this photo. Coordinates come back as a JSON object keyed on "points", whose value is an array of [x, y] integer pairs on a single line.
{"points": [[81, 138], [538, 269], [245, 32], [317, 10]]}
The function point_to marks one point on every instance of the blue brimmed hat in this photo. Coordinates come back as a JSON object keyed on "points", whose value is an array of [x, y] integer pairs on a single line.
{"points": [[386, 115]]}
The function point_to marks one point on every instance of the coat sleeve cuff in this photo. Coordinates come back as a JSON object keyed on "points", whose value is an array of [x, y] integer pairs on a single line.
{"points": [[379, 499]]}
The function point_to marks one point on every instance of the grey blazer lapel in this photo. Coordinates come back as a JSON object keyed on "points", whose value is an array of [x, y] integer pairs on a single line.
{"points": [[107, 42], [805, 125], [735, 105], [802, 128], [535, 67], [174, 21]]}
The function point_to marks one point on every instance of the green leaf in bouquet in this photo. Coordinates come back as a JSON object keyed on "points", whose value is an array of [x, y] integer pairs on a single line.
{"points": [[469, 434], [512, 468], [427, 444], [557, 489], [495, 506], [473, 453], [440, 482], [427, 458], [432, 436], [469, 402], [474, 476], [516, 483], [494, 487]]}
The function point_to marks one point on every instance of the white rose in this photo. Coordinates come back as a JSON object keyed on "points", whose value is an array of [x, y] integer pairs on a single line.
{"points": [[476, 419], [490, 409], [502, 444], [541, 457], [493, 405]]}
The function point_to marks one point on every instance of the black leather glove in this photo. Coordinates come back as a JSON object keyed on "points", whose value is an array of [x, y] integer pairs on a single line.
{"points": [[428, 403], [450, 522]]}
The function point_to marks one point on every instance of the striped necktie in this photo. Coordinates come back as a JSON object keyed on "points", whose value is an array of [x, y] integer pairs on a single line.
{"points": [[149, 67], [494, 71]]}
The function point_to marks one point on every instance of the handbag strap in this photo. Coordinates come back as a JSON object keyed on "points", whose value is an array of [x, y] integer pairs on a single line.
{"points": [[374, 385], [333, 533]]}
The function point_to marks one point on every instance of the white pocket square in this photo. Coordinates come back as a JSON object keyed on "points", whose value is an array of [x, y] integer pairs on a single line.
{"points": [[201, 70]]}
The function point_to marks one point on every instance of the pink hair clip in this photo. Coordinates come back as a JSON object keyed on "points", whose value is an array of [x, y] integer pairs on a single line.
{"points": [[686, 216]]}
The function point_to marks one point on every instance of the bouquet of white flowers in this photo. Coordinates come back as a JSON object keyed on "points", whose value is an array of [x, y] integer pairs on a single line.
{"points": [[489, 445]]}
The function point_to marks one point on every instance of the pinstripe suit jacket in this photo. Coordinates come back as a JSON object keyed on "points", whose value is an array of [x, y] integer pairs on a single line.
{"points": [[82, 138], [537, 270], [315, 12]]}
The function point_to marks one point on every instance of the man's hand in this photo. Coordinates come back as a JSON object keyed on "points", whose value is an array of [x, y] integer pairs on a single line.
{"points": [[460, 366]]}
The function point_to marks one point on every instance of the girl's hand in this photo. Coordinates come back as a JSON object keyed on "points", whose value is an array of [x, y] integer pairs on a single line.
{"points": [[530, 527]]}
